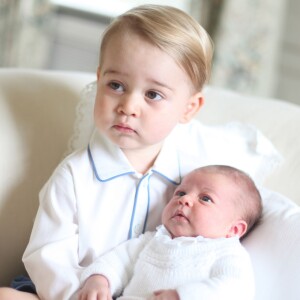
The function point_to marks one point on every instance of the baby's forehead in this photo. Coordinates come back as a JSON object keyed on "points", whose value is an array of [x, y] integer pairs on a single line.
{"points": [[199, 174], [209, 180], [196, 178]]}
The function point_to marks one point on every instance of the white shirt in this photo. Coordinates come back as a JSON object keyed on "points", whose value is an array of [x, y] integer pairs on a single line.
{"points": [[197, 267], [95, 200]]}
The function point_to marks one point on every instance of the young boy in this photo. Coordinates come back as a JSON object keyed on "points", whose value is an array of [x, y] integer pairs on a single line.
{"points": [[154, 62], [195, 254]]}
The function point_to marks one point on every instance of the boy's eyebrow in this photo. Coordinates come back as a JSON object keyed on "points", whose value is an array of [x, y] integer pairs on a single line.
{"points": [[161, 84], [112, 71]]}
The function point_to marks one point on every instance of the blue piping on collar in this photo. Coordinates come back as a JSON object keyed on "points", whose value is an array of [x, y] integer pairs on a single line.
{"points": [[137, 189], [167, 178], [134, 205], [95, 169], [148, 205], [170, 180], [130, 234]]}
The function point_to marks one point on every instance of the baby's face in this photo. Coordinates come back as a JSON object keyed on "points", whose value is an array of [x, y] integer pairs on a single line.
{"points": [[142, 93], [203, 205]]}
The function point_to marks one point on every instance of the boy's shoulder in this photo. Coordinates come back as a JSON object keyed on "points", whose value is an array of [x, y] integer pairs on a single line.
{"points": [[75, 157], [76, 160]]}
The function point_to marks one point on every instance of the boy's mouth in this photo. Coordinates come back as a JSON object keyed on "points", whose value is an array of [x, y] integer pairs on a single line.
{"points": [[124, 128]]}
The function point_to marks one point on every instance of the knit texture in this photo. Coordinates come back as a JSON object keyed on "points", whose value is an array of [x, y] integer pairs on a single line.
{"points": [[198, 268]]}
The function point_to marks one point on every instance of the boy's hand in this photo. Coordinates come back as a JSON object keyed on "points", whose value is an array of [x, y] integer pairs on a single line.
{"points": [[96, 287], [165, 295]]}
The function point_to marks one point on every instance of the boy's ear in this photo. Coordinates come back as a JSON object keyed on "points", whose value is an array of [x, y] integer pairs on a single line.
{"points": [[239, 228], [192, 107]]}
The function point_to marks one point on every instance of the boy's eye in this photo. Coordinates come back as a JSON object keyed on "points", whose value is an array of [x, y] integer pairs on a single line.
{"points": [[116, 86], [205, 199], [180, 193], [153, 96]]}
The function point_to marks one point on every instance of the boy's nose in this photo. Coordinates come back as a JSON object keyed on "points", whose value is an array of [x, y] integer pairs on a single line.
{"points": [[186, 200], [129, 106]]}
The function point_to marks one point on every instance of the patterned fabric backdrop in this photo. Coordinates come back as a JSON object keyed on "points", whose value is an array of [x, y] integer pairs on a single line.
{"points": [[246, 34], [24, 31], [247, 43]]}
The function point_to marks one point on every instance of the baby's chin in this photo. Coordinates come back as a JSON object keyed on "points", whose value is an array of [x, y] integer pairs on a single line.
{"points": [[177, 232]]}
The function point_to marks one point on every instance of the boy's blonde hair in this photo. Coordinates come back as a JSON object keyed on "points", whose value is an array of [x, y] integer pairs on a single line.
{"points": [[174, 32]]}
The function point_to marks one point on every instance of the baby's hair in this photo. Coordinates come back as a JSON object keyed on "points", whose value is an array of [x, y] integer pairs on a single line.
{"points": [[248, 197], [171, 30]]}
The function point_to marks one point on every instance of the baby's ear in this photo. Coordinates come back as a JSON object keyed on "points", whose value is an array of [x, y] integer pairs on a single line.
{"points": [[192, 107], [239, 228]]}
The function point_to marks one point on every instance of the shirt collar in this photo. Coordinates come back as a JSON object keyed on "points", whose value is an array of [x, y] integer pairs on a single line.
{"points": [[109, 161]]}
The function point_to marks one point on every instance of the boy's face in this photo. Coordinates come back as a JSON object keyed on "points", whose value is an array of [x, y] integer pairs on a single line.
{"points": [[203, 205], [142, 94]]}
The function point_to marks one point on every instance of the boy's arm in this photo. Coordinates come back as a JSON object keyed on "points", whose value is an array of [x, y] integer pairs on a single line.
{"points": [[51, 257]]}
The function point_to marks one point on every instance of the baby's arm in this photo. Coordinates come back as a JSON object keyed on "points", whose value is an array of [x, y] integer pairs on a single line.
{"points": [[231, 277], [117, 265], [96, 287]]}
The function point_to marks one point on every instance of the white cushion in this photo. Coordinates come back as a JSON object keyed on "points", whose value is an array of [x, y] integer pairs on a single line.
{"points": [[274, 246]]}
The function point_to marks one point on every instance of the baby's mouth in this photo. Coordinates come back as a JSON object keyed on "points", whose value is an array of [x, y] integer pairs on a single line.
{"points": [[180, 216]]}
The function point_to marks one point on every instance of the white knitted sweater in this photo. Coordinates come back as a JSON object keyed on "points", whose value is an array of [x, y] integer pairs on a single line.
{"points": [[198, 268]]}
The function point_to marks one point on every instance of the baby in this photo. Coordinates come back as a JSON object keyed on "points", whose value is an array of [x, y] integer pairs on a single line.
{"points": [[195, 254]]}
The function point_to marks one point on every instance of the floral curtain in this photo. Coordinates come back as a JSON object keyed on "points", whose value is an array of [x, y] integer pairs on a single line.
{"points": [[247, 45]]}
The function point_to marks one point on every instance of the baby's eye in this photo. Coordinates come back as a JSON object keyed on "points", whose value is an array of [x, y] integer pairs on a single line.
{"points": [[116, 86], [205, 198], [154, 96], [180, 193]]}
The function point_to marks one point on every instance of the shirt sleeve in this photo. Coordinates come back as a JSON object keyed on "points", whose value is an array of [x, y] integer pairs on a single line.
{"points": [[231, 277], [244, 147], [51, 257], [118, 264], [235, 144]]}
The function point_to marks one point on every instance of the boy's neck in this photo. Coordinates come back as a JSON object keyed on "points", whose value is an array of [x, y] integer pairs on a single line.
{"points": [[142, 159]]}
